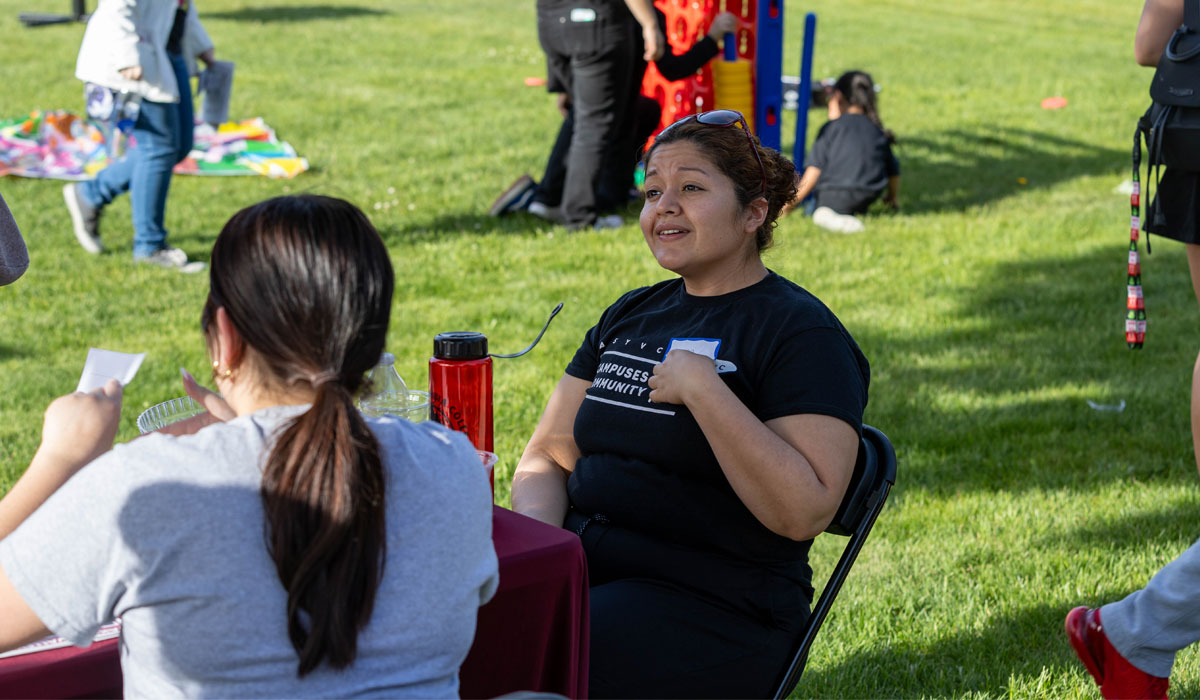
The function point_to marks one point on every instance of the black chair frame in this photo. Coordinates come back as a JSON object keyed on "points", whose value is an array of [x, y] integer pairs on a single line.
{"points": [[874, 476]]}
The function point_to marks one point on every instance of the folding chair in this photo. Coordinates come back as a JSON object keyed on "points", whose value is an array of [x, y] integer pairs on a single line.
{"points": [[874, 476]]}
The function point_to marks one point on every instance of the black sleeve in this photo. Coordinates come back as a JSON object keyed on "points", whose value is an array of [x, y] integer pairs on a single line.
{"points": [[587, 357], [679, 67], [819, 156], [814, 371], [890, 165]]}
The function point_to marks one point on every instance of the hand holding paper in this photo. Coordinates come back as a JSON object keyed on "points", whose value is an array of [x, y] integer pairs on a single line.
{"points": [[80, 427], [77, 429]]}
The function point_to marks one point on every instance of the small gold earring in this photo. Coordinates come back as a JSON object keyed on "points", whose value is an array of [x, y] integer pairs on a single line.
{"points": [[223, 375]]}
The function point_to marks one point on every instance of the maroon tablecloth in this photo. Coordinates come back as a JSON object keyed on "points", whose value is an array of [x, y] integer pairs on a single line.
{"points": [[532, 636]]}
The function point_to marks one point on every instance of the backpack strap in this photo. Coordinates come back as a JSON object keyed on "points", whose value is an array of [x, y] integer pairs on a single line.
{"points": [[1191, 15]]}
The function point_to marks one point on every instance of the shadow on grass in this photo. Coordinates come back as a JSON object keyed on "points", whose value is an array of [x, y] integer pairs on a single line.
{"points": [[1003, 386], [7, 351], [467, 224], [959, 168], [1131, 531], [958, 663], [482, 223], [294, 13]]}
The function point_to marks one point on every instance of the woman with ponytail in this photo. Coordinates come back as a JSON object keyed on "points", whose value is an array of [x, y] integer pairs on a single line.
{"points": [[290, 547], [851, 163]]}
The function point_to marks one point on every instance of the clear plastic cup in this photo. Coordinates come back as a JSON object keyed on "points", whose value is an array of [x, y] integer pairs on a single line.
{"points": [[489, 460], [410, 405], [168, 412]]}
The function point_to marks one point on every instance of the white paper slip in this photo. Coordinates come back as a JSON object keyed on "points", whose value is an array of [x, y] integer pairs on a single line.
{"points": [[103, 365]]}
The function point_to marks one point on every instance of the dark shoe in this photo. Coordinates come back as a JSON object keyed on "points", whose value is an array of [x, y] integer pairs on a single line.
{"points": [[85, 219], [515, 198], [172, 259], [1118, 679]]}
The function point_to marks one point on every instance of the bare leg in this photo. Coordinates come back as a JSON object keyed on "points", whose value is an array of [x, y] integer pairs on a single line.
{"points": [[1193, 256]]}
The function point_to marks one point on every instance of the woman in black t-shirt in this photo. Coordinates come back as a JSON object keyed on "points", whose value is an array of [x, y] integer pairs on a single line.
{"points": [[703, 434]]}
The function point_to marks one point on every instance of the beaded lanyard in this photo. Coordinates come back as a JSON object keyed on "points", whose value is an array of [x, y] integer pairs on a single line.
{"points": [[1135, 303]]}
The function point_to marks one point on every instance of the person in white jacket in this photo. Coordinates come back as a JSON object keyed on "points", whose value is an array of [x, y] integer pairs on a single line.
{"points": [[147, 48]]}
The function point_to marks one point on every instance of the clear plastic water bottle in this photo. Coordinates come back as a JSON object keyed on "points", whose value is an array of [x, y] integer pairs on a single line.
{"points": [[387, 392]]}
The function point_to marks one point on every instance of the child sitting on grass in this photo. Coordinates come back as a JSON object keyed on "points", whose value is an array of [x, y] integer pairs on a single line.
{"points": [[851, 163]]}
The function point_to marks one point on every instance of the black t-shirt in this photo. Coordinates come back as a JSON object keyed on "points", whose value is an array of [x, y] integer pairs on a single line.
{"points": [[852, 153], [647, 466]]}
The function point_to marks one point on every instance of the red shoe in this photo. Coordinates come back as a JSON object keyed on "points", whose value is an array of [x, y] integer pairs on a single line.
{"points": [[1118, 679]]}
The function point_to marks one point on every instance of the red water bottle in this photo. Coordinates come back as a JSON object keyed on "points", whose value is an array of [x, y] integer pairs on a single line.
{"points": [[460, 385]]}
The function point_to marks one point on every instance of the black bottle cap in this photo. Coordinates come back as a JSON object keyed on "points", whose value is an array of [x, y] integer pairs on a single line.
{"points": [[460, 345]]}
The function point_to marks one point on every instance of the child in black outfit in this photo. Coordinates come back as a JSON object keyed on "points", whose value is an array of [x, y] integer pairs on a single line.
{"points": [[851, 163]]}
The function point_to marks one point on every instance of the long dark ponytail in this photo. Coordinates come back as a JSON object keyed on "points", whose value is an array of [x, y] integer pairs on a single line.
{"points": [[307, 283], [859, 90]]}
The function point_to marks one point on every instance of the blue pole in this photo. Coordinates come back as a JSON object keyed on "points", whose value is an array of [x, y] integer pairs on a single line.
{"points": [[804, 97], [768, 73]]}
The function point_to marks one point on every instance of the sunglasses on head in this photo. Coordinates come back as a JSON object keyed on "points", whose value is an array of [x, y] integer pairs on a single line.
{"points": [[726, 117]]}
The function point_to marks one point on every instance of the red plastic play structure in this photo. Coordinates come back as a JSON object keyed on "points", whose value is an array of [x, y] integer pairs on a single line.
{"points": [[759, 42]]}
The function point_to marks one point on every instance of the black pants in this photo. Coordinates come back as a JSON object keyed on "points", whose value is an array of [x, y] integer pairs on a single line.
{"points": [[616, 177], [847, 200], [669, 621], [589, 52]]}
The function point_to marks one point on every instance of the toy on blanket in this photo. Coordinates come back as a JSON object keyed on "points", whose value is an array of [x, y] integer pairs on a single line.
{"points": [[241, 148], [52, 144], [62, 146]]}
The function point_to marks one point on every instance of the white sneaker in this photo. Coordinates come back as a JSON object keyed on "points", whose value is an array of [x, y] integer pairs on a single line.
{"points": [[542, 211], [610, 221], [830, 220], [85, 219], [172, 259]]}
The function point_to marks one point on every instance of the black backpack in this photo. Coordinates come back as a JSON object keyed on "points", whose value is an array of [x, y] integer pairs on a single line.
{"points": [[1171, 130], [1171, 126]]}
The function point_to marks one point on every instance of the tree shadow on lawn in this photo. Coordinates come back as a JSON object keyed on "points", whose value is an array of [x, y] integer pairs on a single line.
{"points": [[1176, 522], [1020, 645], [955, 169], [294, 13], [996, 401]]}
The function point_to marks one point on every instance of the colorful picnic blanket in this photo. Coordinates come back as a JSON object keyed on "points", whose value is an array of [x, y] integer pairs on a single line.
{"points": [[63, 146]]}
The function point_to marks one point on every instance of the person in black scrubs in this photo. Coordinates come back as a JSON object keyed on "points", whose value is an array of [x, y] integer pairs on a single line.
{"points": [[615, 183], [589, 58]]}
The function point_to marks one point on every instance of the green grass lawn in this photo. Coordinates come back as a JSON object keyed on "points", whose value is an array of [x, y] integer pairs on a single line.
{"points": [[991, 308]]}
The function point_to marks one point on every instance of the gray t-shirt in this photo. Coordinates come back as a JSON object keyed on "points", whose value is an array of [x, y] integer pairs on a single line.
{"points": [[167, 534]]}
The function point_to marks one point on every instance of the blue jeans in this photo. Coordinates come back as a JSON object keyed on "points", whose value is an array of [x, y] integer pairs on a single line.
{"points": [[163, 133]]}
